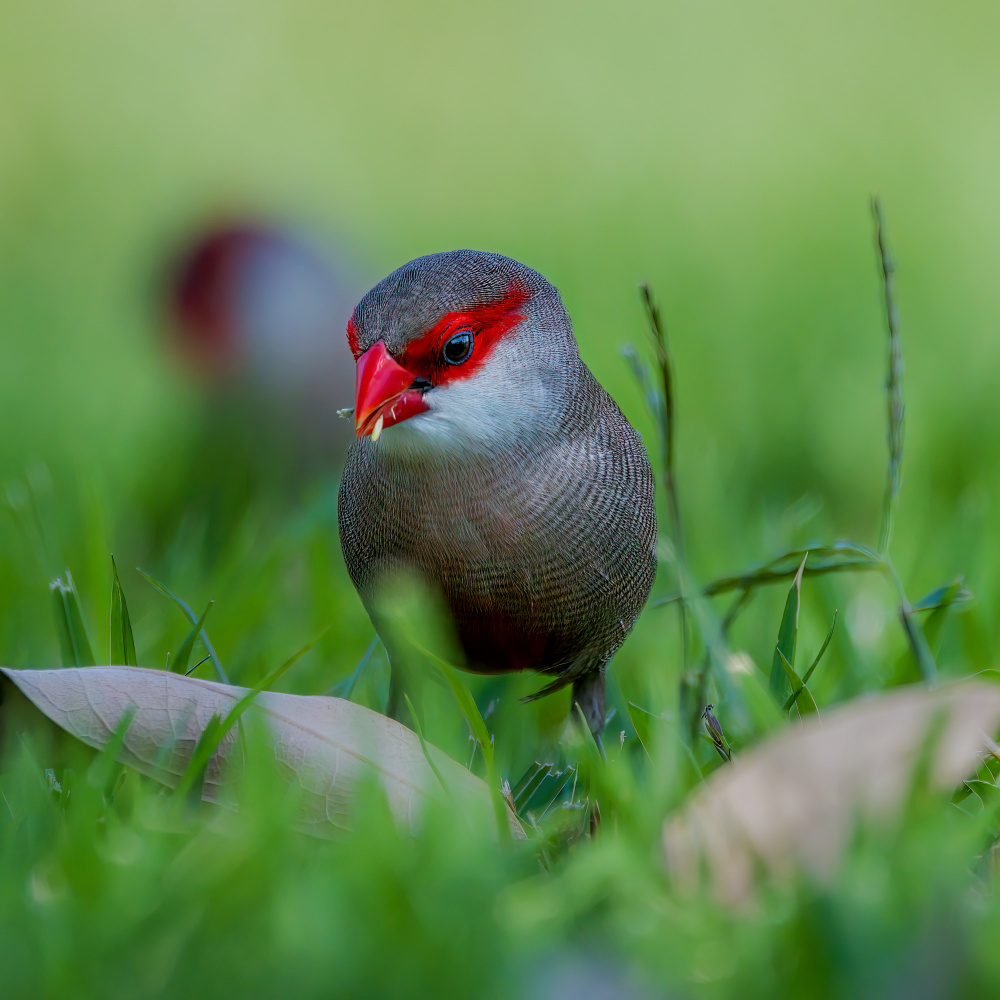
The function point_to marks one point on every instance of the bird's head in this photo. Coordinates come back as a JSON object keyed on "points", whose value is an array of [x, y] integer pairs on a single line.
{"points": [[461, 349]]}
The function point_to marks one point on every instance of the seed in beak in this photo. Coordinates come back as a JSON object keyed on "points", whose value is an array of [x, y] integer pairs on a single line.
{"points": [[377, 429]]}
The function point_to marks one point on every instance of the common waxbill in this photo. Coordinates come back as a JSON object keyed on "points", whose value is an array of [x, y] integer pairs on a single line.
{"points": [[254, 308], [490, 460], [255, 312]]}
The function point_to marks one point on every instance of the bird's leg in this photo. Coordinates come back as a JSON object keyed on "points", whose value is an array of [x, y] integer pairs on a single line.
{"points": [[589, 697]]}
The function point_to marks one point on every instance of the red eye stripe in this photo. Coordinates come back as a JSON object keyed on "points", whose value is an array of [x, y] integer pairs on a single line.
{"points": [[352, 338], [489, 323]]}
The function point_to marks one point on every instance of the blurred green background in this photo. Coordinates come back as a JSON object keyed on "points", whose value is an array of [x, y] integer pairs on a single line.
{"points": [[726, 152]]}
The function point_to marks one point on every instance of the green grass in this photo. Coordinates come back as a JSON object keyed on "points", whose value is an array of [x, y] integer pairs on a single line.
{"points": [[111, 886], [724, 152]]}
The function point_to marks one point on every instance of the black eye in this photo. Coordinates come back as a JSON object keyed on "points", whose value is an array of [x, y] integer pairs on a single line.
{"points": [[458, 348]]}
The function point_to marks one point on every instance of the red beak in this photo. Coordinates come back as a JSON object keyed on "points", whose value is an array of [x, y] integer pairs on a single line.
{"points": [[383, 390]]}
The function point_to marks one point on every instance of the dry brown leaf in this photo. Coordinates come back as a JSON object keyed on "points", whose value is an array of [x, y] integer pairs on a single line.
{"points": [[327, 744], [791, 803]]}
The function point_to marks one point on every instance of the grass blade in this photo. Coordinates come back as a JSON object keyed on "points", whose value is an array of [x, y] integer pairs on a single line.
{"points": [[894, 381], [423, 745], [922, 654], [938, 604], [939, 614], [800, 693], [182, 657], [692, 682], [664, 363], [541, 786], [122, 642], [215, 732], [560, 779], [345, 688], [822, 649], [530, 782], [467, 706], [292, 660], [793, 697], [191, 670], [641, 374], [944, 597], [189, 788], [836, 558], [74, 644], [788, 633], [642, 724], [191, 616]]}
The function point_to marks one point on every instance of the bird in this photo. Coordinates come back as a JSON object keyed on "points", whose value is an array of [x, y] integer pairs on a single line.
{"points": [[489, 460], [252, 306], [254, 312]]}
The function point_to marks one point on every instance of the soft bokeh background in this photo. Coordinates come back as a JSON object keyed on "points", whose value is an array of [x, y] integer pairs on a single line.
{"points": [[724, 151]]}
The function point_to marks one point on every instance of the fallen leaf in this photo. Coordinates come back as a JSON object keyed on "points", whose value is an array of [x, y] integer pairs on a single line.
{"points": [[326, 744], [791, 804]]}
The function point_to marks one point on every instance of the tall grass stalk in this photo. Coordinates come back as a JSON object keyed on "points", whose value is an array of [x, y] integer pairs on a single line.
{"points": [[894, 380]]}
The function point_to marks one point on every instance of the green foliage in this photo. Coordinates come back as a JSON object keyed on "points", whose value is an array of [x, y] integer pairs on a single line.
{"points": [[113, 888], [702, 149]]}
